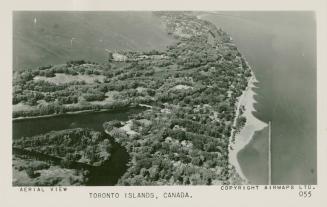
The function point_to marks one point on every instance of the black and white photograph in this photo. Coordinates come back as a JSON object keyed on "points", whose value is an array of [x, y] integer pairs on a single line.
{"points": [[135, 98], [163, 103]]}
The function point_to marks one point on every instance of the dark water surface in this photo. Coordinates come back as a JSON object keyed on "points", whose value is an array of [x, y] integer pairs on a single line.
{"points": [[91, 120], [281, 48]]}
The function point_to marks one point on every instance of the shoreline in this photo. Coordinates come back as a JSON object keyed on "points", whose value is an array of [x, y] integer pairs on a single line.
{"points": [[238, 141], [54, 115], [75, 112]]}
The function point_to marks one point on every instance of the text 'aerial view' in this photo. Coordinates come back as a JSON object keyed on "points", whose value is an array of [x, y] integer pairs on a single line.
{"points": [[134, 98]]}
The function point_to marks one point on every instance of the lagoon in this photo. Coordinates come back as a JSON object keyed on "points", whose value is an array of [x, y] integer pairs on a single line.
{"points": [[105, 175]]}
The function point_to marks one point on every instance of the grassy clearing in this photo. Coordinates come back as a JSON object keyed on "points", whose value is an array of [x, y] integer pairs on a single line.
{"points": [[62, 78], [54, 175], [22, 107]]}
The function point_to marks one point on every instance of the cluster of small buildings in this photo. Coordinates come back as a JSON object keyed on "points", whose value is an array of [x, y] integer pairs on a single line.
{"points": [[118, 57]]}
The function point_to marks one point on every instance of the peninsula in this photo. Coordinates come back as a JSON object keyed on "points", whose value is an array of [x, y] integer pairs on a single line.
{"points": [[190, 92]]}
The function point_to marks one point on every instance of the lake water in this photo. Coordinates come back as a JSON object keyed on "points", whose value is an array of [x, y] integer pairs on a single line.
{"points": [[281, 48], [91, 120], [44, 37]]}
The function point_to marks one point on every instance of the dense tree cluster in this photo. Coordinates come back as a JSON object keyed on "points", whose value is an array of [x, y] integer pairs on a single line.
{"points": [[240, 122], [78, 144]]}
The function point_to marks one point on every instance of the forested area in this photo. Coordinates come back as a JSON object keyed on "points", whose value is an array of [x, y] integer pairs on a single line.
{"points": [[187, 139], [58, 152], [192, 87], [73, 145]]}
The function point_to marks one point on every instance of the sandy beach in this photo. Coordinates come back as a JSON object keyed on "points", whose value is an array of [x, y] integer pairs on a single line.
{"points": [[238, 141], [252, 125]]}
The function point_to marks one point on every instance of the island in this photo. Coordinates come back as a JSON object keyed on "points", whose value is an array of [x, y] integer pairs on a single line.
{"points": [[189, 94]]}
